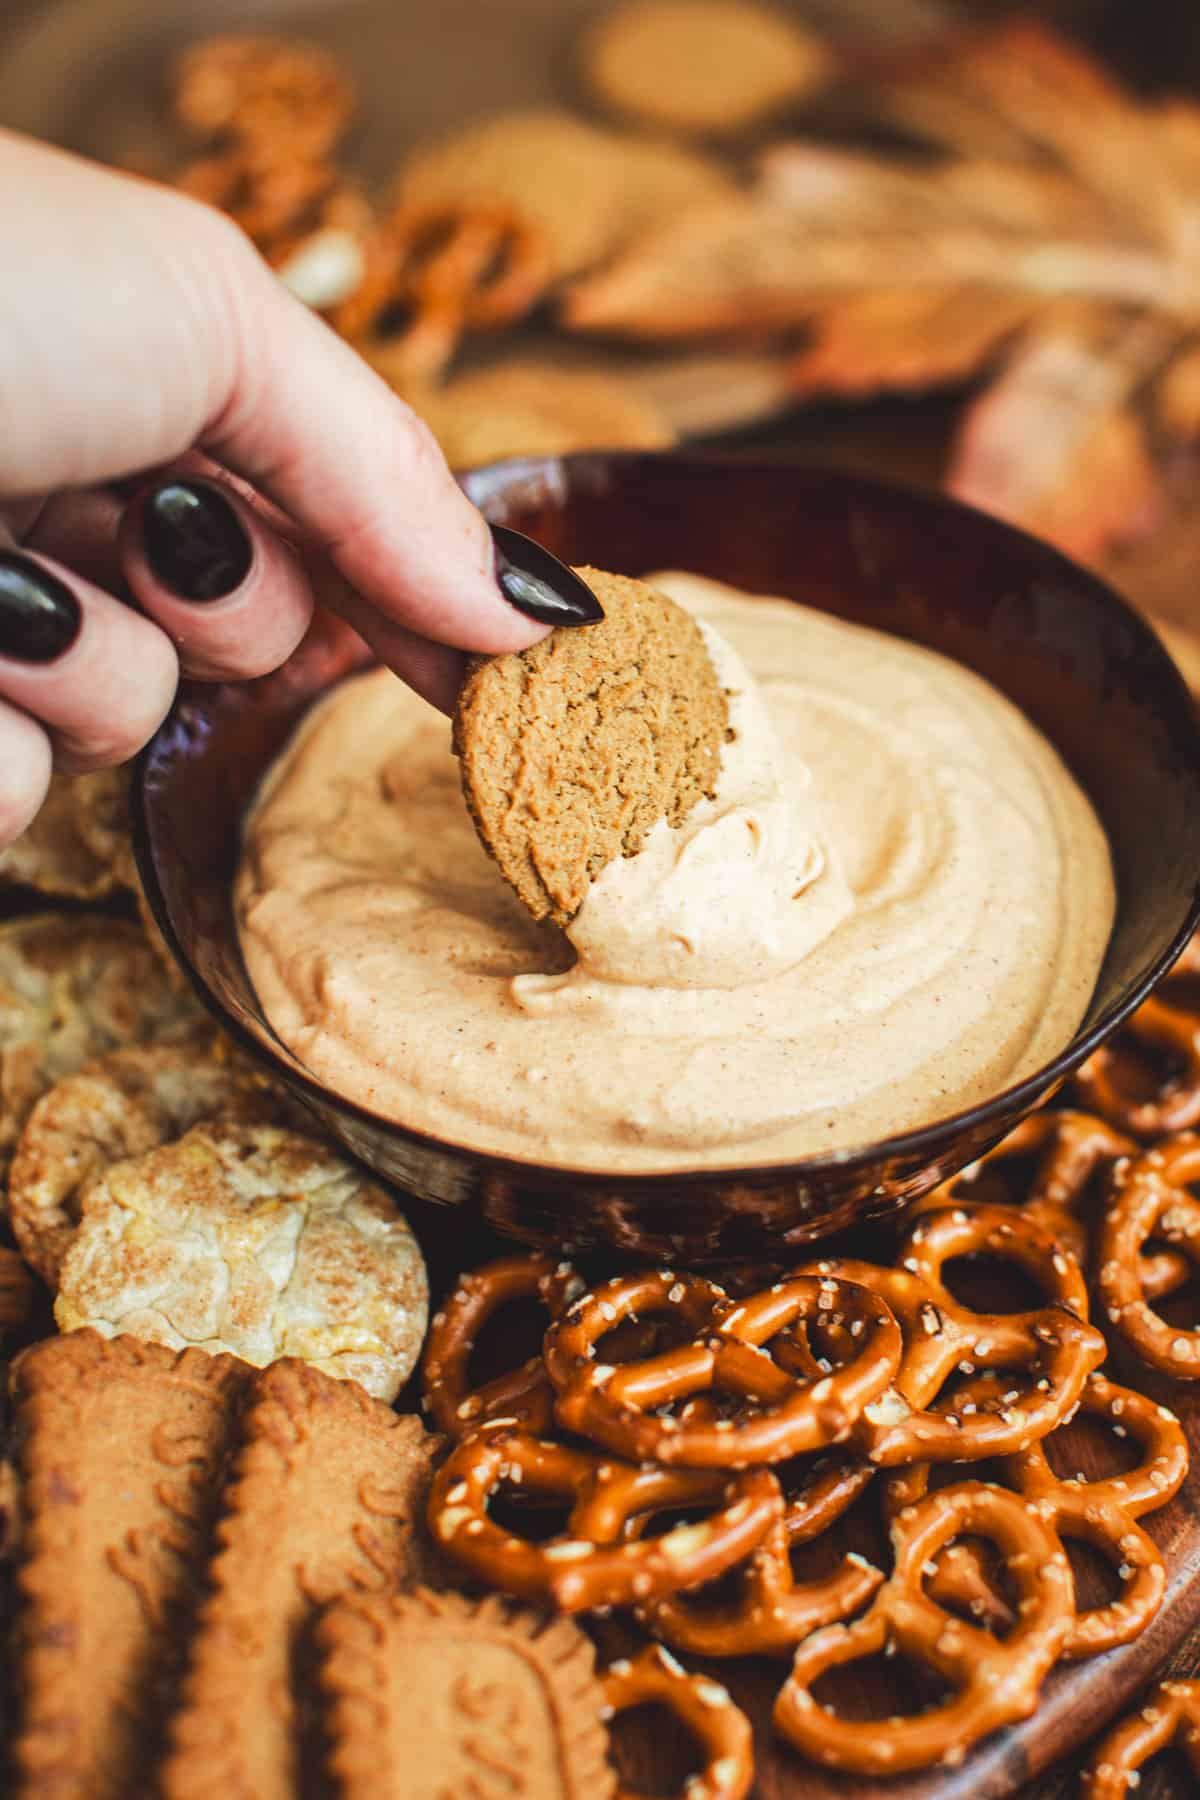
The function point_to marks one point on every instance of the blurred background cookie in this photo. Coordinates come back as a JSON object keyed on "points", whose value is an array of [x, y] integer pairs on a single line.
{"points": [[571, 751], [530, 408], [254, 1240], [700, 66]]}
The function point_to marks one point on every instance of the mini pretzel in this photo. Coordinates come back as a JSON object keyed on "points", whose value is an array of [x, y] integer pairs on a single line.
{"points": [[281, 203], [994, 1681], [772, 1611], [1053, 1346], [781, 1416], [702, 1706], [1100, 1513], [1073, 1147], [1151, 1201], [293, 96], [444, 269], [1176, 1107], [601, 1559], [518, 1396], [1168, 1716]]}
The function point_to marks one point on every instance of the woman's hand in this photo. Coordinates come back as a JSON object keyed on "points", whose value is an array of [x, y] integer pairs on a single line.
{"points": [[146, 351]]}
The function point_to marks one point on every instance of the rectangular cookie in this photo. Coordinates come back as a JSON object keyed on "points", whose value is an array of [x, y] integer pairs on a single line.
{"points": [[326, 1495], [118, 1447], [430, 1695]]}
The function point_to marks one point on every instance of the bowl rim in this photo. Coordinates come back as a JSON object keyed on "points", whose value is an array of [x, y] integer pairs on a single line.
{"points": [[923, 1141]]}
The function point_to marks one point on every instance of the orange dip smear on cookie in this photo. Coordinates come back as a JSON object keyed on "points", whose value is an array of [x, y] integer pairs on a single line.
{"points": [[896, 905]]}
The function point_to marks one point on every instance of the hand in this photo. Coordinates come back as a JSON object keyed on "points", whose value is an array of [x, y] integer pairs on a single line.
{"points": [[176, 429]]}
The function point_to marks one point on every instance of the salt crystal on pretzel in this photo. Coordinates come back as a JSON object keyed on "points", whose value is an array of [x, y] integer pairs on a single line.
{"points": [[995, 1681]]}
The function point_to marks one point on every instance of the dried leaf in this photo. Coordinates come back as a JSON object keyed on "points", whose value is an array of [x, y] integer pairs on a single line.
{"points": [[1055, 445], [898, 339]]}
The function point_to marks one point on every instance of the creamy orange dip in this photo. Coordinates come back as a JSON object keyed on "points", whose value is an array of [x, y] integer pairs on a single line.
{"points": [[896, 905]]}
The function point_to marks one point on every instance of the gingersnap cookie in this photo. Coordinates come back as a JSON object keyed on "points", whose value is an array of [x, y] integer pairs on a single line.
{"points": [[72, 988], [432, 1694], [78, 847], [255, 1240], [118, 1453], [530, 408], [323, 1501], [571, 751], [703, 66], [119, 1106], [586, 189]]}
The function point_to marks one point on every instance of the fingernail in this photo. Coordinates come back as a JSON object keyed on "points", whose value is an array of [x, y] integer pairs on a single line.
{"points": [[540, 586], [195, 543], [39, 615]]}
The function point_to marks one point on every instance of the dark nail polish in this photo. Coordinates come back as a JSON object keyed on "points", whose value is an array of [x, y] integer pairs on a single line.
{"points": [[540, 586], [39, 615], [195, 543]]}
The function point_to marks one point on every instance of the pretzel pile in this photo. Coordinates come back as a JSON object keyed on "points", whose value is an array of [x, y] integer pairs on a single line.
{"points": [[762, 1417], [403, 287]]}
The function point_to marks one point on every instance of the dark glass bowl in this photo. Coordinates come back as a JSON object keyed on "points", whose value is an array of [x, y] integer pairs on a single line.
{"points": [[1080, 663]]}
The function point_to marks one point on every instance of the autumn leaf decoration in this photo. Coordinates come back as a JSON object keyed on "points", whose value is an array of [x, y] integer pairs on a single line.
{"points": [[1050, 248]]}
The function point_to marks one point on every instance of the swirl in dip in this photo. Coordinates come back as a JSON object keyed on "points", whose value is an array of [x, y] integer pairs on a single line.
{"points": [[895, 906]]}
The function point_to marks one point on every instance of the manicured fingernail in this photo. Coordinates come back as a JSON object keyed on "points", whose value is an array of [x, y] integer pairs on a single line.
{"points": [[39, 615], [195, 543], [540, 586]]}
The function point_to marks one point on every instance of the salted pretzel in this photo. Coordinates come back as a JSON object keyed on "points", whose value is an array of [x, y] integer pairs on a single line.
{"points": [[294, 96], [604, 1557], [779, 1415], [1168, 1717], [1152, 1199], [519, 1396], [701, 1705], [1052, 1347], [1071, 1149], [1157, 1025], [1102, 1513], [435, 271], [281, 203], [994, 1681]]}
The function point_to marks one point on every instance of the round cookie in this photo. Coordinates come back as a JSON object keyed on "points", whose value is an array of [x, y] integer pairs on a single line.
{"points": [[703, 66], [529, 408], [78, 846], [586, 189], [569, 752], [72, 988], [256, 1241], [121, 1105]]}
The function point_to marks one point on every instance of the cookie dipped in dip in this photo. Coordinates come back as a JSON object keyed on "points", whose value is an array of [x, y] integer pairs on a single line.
{"points": [[893, 903]]}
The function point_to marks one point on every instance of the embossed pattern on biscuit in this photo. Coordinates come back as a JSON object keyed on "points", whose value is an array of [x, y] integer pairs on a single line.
{"points": [[323, 1499], [430, 1695], [119, 1448]]}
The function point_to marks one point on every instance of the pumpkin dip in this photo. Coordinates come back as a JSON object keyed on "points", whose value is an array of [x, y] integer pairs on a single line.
{"points": [[896, 905]]}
